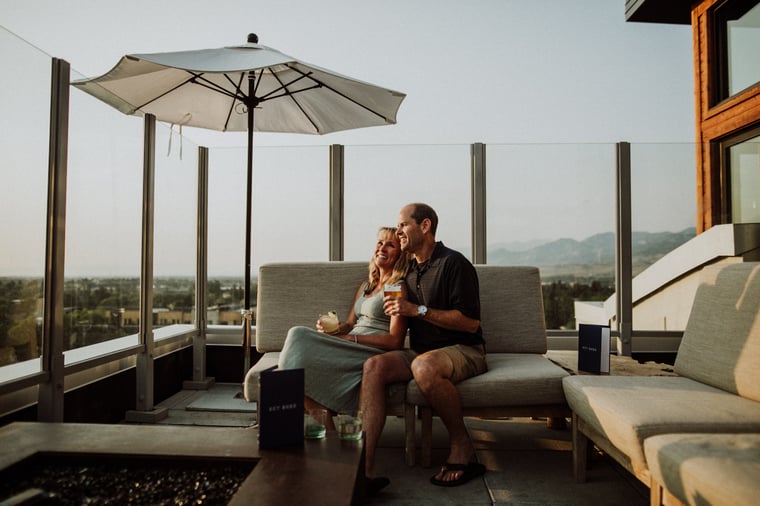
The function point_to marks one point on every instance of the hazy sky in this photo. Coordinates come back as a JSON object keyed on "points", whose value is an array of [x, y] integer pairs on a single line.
{"points": [[504, 72], [494, 71]]}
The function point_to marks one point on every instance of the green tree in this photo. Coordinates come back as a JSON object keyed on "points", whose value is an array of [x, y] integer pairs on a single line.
{"points": [[23, 337]]}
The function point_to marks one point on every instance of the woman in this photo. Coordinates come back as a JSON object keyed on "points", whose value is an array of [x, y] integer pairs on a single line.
{"points": [[333, 362]]}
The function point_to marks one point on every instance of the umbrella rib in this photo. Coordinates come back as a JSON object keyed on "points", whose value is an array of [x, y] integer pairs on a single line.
{"points": [[232, 105], [290, 94], [202, 81], [284, 87], [163, 94], [309, 75], [195, 80]]}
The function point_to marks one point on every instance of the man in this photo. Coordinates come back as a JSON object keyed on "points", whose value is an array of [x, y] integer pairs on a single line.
{"points": [[443, 310]]}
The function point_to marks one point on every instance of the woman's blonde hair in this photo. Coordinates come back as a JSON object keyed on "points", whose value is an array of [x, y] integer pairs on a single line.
{"points": [[400, 269]]}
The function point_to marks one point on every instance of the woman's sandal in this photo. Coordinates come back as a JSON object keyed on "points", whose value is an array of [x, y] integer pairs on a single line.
{"points": [[469, 471]]}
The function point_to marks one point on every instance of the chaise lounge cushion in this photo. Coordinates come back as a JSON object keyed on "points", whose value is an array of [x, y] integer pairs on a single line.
{"points": [[721, 345], [706, 468], [513, 379], [717, 360], [628, 409]]}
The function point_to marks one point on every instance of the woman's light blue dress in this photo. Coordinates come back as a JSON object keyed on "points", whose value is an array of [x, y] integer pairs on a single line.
{"points": [[333, 366]]}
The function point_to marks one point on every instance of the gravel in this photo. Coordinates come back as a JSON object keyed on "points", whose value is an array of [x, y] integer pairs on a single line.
{"points": [[97, 481]]}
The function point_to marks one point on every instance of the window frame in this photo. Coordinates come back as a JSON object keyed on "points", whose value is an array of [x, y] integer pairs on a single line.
{"points": [[724, 147], [720, 14]]}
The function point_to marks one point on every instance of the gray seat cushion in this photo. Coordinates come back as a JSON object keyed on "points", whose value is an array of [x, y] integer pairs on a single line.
{"points": [[513, 379], [707, 468], [251, 381], [629, 409]]}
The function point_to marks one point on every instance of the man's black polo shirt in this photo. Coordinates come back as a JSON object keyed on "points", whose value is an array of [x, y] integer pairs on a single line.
{"points": [[446, 281]]}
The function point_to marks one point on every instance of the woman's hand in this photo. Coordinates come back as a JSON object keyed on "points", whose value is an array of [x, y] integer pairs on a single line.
{"points": [[328, 323], [320, 328], [394, 306]]}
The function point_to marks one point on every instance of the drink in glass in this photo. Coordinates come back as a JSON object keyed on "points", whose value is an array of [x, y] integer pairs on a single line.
{"points": [[392, 290], [350, 426], [329, 322], [314, 424]]}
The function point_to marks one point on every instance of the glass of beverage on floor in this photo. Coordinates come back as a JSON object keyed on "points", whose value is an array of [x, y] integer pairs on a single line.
{"points": [[350, 426], [314, 423]]}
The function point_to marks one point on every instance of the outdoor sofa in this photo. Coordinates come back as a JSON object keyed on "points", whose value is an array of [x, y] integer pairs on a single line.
{"points": [[655, 426], [520, 381]]}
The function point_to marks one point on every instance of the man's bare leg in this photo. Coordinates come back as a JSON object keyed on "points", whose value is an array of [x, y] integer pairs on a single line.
{"points": [[432, 371], [379, 371]]}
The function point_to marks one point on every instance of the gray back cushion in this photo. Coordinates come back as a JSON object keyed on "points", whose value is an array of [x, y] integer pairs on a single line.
{"points": [[512, 309], [721, 342], [291, 294]]}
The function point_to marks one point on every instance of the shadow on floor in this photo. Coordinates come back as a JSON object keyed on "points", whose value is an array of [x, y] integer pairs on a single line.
{"points": [[528, 463]]}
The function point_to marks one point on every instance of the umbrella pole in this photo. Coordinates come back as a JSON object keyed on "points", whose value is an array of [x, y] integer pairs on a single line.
{"points": [[248, 207], [247, 313]]}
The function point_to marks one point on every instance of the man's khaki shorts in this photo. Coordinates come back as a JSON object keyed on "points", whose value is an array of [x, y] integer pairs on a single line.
{"points": [[468, 361]]}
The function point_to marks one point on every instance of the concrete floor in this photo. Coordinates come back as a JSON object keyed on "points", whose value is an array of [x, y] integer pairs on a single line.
{"points": [[528, 463]]}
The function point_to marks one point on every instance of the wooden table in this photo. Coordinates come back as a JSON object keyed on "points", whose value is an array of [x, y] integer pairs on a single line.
{"points": [[619, 365], [326, 471]]}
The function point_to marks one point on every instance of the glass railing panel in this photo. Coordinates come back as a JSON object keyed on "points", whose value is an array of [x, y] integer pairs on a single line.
{"points": [[103, 222], [553, 206], [663, 218], [380, 180], [24, 122], [175, 228], [290, 218]]}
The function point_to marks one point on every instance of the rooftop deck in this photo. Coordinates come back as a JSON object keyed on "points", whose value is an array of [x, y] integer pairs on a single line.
{"points": [[527, 462]]}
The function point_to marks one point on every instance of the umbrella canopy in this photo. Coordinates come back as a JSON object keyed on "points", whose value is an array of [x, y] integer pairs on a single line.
{"points": [[209, 88], [242, 88]]}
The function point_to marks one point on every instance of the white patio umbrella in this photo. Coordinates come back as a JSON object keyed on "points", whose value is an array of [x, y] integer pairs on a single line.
{"points": [[242, 88]]}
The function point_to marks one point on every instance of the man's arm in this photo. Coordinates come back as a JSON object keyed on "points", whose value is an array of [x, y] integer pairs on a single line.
{"points": [[450, 319]]}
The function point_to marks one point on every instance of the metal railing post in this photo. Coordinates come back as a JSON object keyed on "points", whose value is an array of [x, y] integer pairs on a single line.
{"points": [[623, 254], [478, 183], [51, 391], [336, 201], [200, 381], [145, 411]]}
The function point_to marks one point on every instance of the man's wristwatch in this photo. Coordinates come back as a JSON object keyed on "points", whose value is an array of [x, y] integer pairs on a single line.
{"points": [[422, 311]]}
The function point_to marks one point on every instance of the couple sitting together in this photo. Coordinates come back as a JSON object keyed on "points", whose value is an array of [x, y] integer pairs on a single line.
{"points": [[349, 369]]}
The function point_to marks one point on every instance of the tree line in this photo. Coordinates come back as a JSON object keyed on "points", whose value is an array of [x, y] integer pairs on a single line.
{"points": [[92, 307]]}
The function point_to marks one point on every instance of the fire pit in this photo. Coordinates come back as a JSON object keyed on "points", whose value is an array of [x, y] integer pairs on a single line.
{"points": [[74, 480]]}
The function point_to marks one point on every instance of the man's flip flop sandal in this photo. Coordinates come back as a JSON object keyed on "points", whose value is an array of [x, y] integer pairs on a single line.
{"points": [[469, 471]]}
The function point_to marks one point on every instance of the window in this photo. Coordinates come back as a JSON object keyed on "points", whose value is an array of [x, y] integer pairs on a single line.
{"points": [[742, 174], [737, 36]]}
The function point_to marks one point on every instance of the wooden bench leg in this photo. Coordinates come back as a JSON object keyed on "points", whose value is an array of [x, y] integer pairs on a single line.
{"points": [[655, 493], [580, 452], [410, 444], [658, 495], [556, 423], [427, 435]]}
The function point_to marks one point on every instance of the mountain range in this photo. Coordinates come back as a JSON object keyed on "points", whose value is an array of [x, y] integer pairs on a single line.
{"points": [[596, 253]]}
